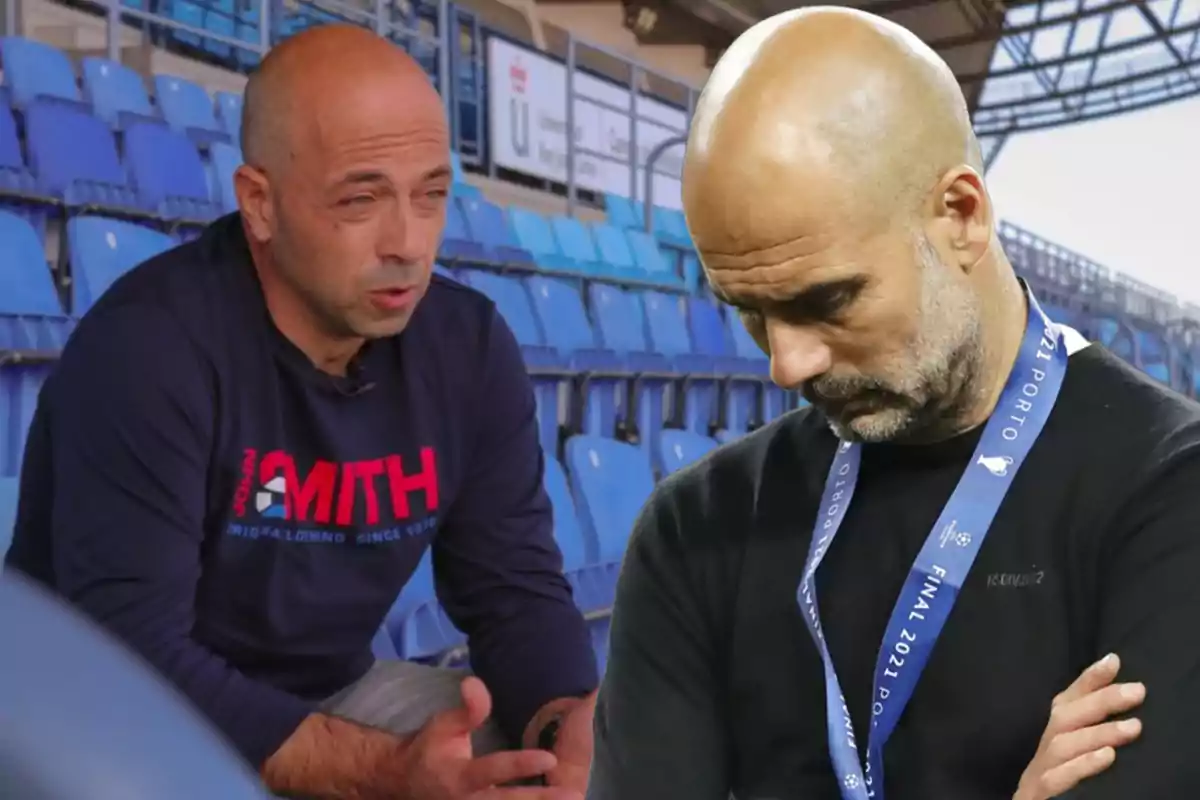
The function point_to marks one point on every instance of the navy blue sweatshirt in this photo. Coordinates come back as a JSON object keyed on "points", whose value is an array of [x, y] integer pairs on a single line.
{"points": [[244, 521]]}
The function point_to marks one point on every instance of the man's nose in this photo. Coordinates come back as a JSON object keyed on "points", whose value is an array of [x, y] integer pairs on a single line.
{"points": [[798, 354]]}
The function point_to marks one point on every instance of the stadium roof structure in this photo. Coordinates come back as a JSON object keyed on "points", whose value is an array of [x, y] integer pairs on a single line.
{"points": [[1025, 65]]}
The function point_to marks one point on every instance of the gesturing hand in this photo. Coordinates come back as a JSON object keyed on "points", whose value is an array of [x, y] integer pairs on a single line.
{"points": [[1078, 742], [439, 763]]}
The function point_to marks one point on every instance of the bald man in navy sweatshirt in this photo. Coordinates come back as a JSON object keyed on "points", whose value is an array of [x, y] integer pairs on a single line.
{"points": [[252, 439]]}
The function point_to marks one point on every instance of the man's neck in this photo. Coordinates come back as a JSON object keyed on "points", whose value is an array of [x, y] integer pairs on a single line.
{"points": [[1004, 320]]}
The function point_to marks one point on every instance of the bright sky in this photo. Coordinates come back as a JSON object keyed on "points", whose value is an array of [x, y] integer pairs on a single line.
{"points": [[1121, 191], [1118, 190]]}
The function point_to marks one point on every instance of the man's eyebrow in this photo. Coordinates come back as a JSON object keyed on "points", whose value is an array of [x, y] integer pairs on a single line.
{"points": [[442, 171], [358, 177], [825, 296]]}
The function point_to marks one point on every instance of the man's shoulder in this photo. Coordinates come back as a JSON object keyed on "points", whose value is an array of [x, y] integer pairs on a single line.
{"points": [[1125, 411]]}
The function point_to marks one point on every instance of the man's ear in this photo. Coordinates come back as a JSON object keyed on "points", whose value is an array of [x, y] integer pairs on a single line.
{"points": [[253, 190], [960, 221]]}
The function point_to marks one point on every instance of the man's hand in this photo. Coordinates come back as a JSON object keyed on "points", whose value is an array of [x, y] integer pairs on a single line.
{"points": [[1078, 743], [439, 763]]}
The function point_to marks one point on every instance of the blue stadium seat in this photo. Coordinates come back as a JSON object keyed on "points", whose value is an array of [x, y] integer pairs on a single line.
{"points": [[743, 411], [74, 157], [117, 93], [670, 226], [225, 159], [33, 71], [592, 583], [650, 260], [418, 625], [459, 186], [621, 323], [8, 512], [20, 385], [103, 250], [611, 481], [488, 226], [168, 174], [544, 364], [564, 320], [533, 233], [229, 113], [31, 316], [188, 109], [457, 244], [512, 300], [622, 212], [616, 253], [577, 245], [15, 179], [680, 448]]}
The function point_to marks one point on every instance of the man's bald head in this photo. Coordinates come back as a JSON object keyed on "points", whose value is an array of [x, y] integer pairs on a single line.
{"points": [[832, 186], [315, 70], [826, 105]]}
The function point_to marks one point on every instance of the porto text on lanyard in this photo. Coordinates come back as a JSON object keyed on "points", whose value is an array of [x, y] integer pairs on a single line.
{"points": [[945, 559]]}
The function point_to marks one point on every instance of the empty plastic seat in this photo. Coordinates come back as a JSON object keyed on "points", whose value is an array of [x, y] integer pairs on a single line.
{"points": [[623, 212], [621, 322], [117, 93], [615, 252], [670, 226], [577, 245], [489, 227], [15, 178], [611, 482], [512, 301], [591, 582], [34, 70], [188, 109], [20, 385], [709, 334], [8, 512], [533, 233], [459, 186], [229, 113], [73, 156], [226, 158], [167, 173], [31, 317], [457, 244], [680, 448], [666, 324], [103, 250], [650, 260], [564, 320], [418, 625], [544, 363]]}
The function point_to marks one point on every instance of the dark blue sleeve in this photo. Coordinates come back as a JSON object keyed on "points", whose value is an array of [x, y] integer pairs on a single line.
{"points": [[130, 423], [497, 567]]}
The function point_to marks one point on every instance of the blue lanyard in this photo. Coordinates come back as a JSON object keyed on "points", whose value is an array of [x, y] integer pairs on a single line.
{"points": [[945, 559]]}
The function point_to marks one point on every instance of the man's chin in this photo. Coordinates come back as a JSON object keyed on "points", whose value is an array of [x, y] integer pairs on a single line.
{"points": [[873, 427]]}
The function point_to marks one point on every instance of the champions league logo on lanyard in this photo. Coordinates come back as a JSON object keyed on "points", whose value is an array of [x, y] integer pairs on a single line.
{"points": [[945, 559]]}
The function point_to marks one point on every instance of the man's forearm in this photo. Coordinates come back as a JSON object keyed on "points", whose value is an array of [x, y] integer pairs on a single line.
{"points": [[328, 757]]}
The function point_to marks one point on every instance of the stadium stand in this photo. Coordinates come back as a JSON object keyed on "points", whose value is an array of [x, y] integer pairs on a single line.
{"points": [[637, 370]]}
